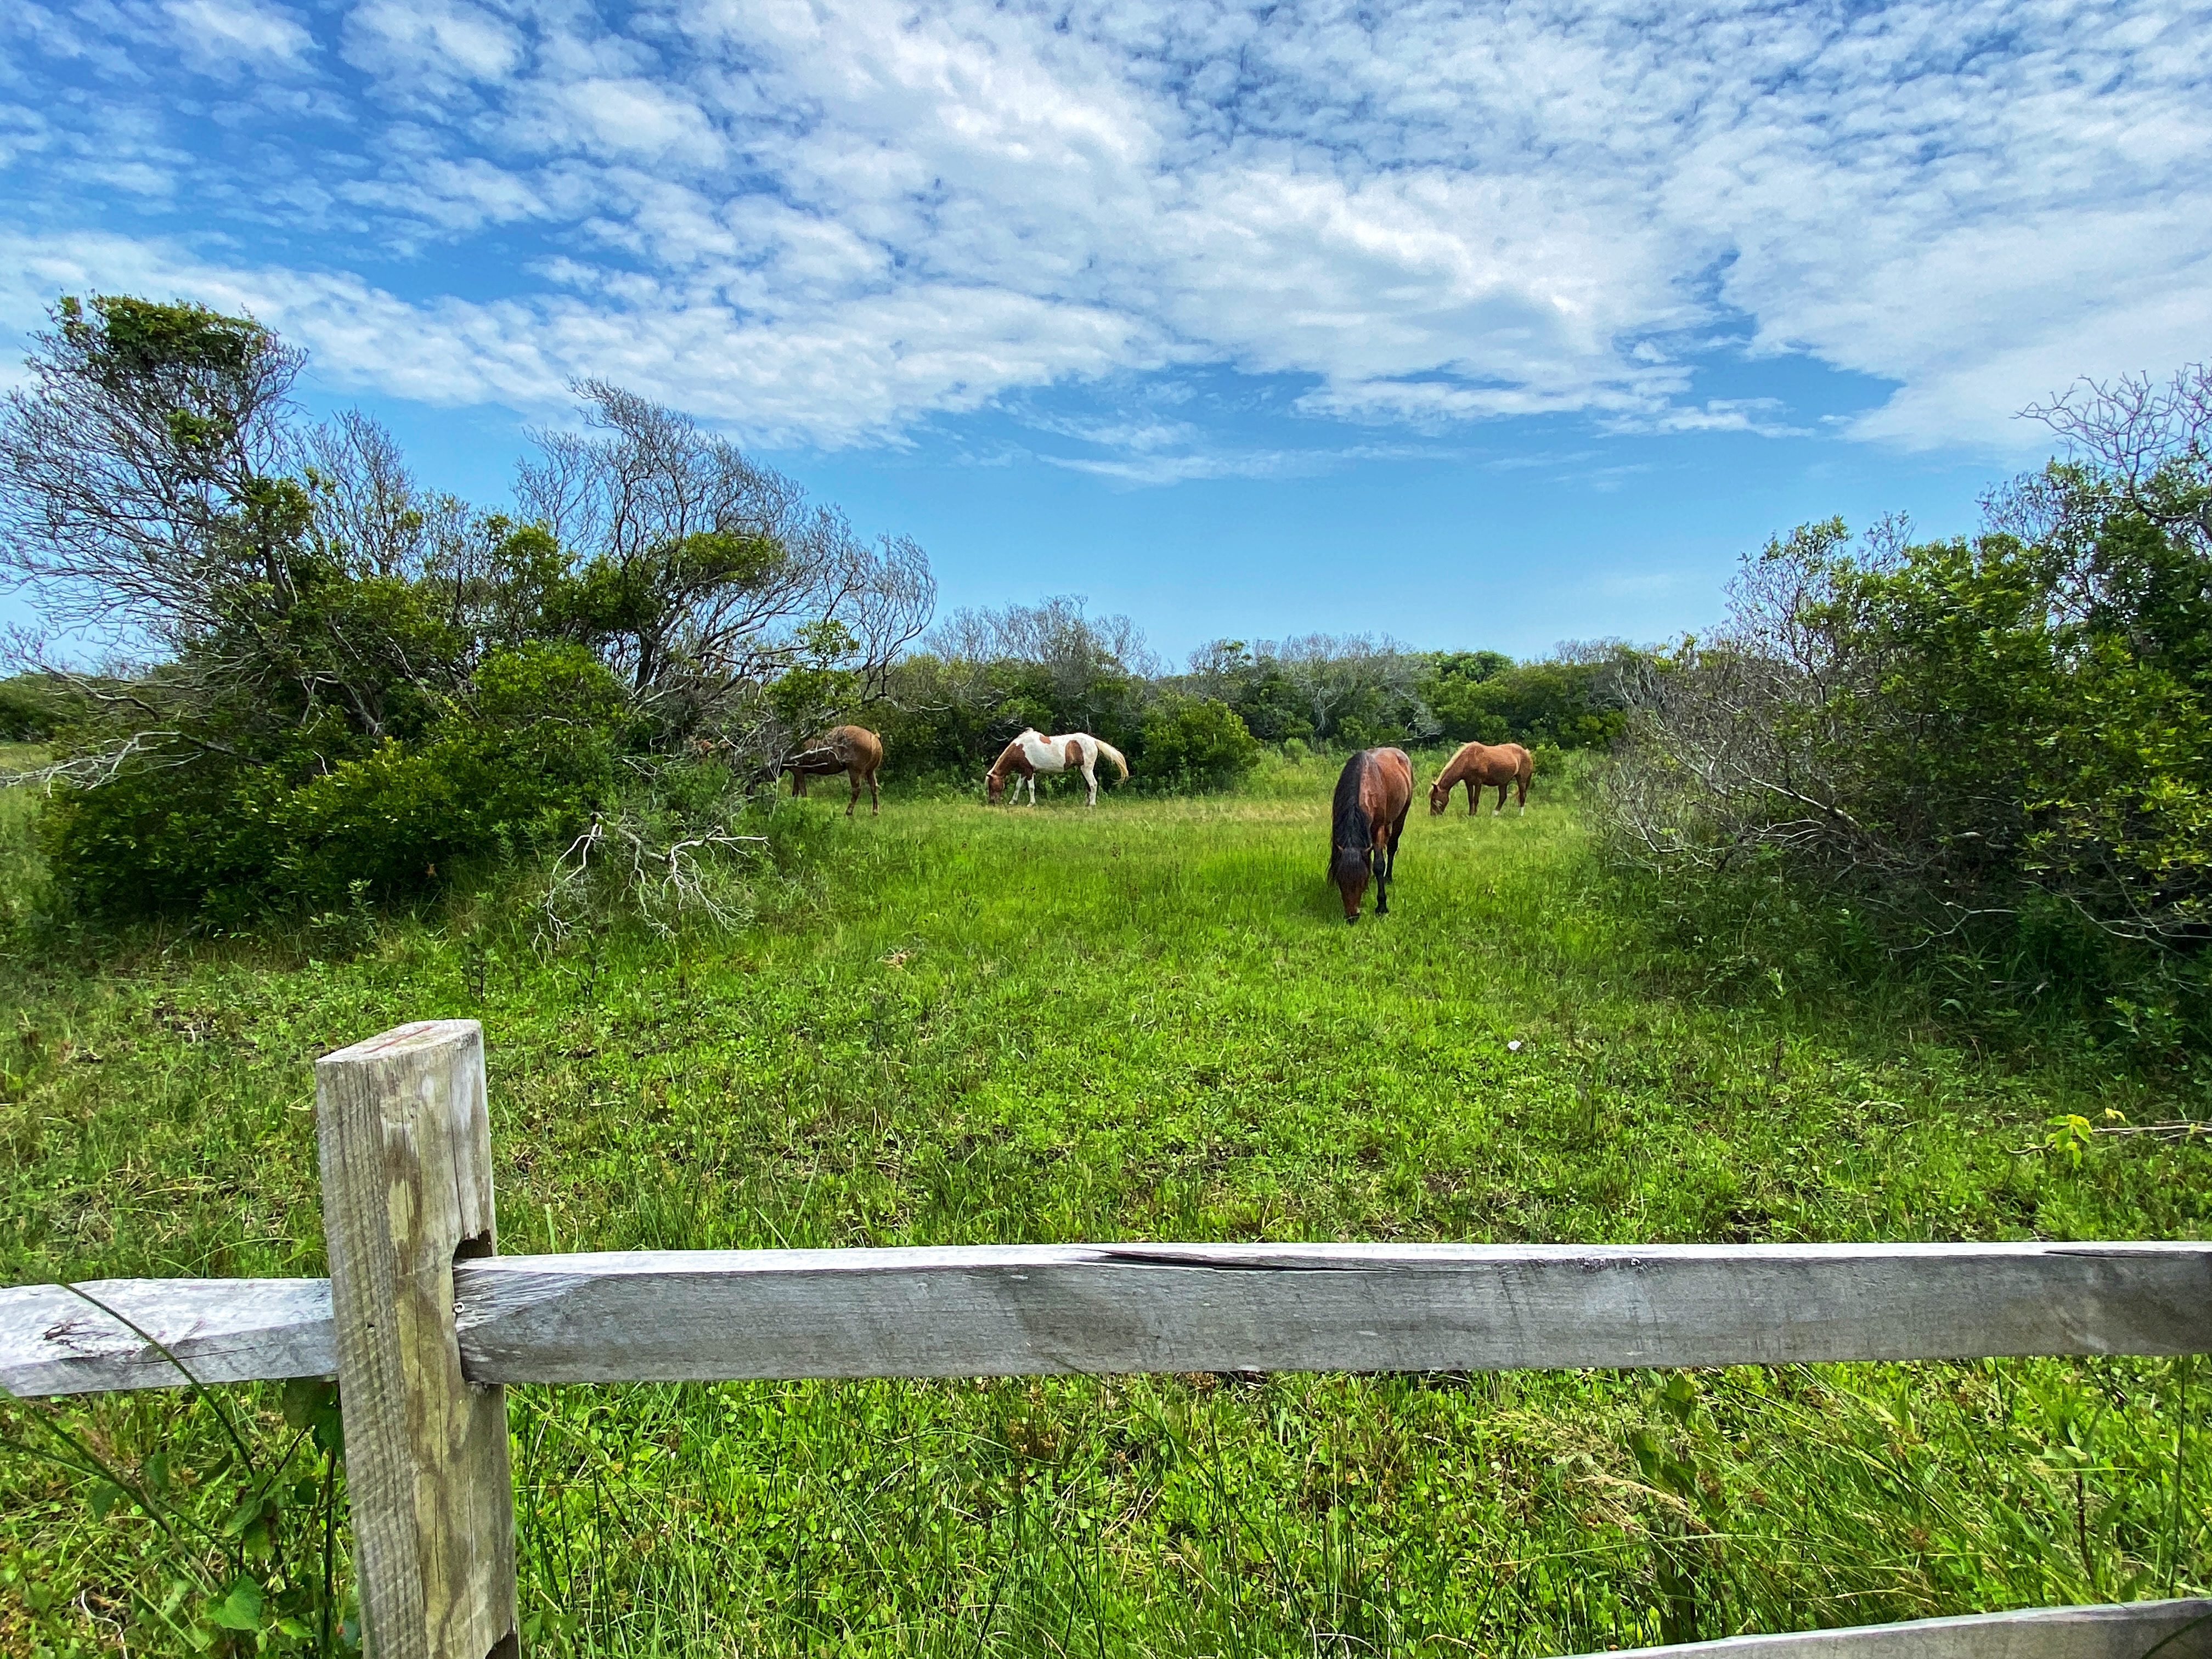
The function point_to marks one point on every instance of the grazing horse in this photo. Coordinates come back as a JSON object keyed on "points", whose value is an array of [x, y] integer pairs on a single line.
{"points": [[1478, 765], [1033, 752], [1373, 792], [853, 750]]}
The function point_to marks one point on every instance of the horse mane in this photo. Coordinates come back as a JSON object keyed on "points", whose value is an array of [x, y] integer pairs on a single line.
{"points": [[1352, 831]]}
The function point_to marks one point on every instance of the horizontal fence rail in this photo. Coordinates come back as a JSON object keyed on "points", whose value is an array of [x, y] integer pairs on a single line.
{"points": [[423, 1321], [693, 1315], [110, 1333], [1021, 1309], [2138, 1630]]}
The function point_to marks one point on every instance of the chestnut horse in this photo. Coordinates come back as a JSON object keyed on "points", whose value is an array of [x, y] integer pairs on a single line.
{"points": [[853, 750], [1478, 765], [1033, 752], [1373, 792]]}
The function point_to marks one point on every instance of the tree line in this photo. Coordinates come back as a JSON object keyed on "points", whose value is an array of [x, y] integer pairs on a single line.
{"points": [[983, 675]]}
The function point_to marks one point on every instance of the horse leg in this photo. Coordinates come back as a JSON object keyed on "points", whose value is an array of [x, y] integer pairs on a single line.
{"points": [[852, 778], [1521, 801], [1473, 795], [1500, 807], [1380, 862], [798, 782], [875, 803]]}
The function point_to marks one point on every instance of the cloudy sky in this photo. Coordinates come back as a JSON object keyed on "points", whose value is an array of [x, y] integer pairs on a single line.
{"points": [[1476, 323]]}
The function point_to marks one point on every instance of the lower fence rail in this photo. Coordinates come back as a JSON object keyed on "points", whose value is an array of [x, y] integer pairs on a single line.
{"points": [[2137, 1629], [422, 1322]]}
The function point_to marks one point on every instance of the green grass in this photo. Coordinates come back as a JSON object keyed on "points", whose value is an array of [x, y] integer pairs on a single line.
{"points": [[1146, 1021]]}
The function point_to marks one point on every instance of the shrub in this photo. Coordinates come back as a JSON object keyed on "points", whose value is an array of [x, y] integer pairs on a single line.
{"points": [[524, 766], [1988, 752], [1926, 731], [1196, 743], [358, 681]]}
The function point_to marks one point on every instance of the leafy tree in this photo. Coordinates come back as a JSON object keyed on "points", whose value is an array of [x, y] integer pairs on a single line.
{"points": [[1352, 691], [34, 708], [1257, 687], [705, 580], [989, 673]]}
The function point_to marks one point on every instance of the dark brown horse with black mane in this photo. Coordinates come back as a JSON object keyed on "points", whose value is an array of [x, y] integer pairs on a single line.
{"points": [[1373, 794]]}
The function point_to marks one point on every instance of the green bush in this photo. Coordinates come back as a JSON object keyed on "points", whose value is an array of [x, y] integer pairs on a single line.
{"points": [[1196, 743], [523, 763]]}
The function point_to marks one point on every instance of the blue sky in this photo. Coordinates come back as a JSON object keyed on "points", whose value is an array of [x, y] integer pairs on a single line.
{"points": [[1474, 323]]}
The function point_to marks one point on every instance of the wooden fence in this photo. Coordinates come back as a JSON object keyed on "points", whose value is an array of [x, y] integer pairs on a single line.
{"points": [[422, 1322]]}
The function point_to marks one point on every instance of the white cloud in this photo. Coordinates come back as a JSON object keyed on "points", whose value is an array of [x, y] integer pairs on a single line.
{"points": [[629, 118], [841, 378], [209, 30], [434, 41], [824, 219]]}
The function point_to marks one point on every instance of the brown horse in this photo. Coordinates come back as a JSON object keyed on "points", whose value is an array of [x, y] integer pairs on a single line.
{"points": [[1478, 765], [1373, 792], [853, 750]]}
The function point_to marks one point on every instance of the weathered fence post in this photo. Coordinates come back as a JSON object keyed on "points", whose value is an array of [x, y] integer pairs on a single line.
{"points": [[405, 1144]]}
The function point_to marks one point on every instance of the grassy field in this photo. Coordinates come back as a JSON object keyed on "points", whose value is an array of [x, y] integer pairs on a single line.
{"points": [[947, 1025]]}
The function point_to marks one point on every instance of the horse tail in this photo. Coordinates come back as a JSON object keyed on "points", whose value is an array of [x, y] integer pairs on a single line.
{"points": [[1352, 831], [1113, 755]]}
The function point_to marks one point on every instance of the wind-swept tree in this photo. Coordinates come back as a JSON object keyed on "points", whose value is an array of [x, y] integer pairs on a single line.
{"points": [[736, 608]]}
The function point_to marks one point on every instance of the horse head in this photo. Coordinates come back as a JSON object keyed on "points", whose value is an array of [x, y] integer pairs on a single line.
{"points": [[1350, 869], [994, 780], [1439, 796]]}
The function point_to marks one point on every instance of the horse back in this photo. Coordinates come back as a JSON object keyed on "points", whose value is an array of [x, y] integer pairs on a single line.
{"points": [[1388, 784], [859, 748], [1487, 762]]}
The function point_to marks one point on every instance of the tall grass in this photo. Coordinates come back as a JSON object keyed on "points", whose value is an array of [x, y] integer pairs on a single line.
{"points": [[1146, 1021]]}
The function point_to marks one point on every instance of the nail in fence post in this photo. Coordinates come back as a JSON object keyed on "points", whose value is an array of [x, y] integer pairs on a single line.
{"points": [[405, 1146]]}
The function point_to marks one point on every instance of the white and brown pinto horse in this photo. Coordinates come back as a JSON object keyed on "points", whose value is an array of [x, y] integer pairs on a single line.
{"points": [[1033, 752], [1478, 765]]}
